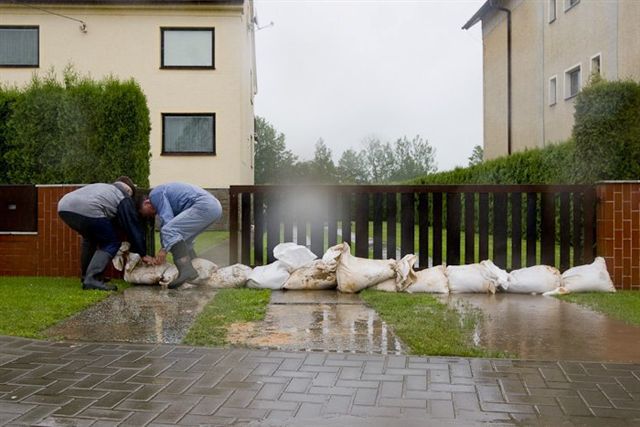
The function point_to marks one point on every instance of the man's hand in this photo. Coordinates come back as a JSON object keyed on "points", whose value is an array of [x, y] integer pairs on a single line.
{"points": [[148, 259], [161, 257]]}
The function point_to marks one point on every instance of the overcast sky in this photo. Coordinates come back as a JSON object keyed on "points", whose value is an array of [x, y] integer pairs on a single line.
{"points": [[343, 70]]}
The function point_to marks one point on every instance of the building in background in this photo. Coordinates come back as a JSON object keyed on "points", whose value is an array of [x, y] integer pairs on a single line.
{"points": [[194, 59], [553, 47]]}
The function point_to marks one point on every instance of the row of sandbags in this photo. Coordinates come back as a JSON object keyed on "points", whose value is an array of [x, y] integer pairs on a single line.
{"points": [[296, 267]]}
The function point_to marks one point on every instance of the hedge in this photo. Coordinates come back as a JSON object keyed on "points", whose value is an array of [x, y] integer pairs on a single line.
{"points": [[74, 131]]}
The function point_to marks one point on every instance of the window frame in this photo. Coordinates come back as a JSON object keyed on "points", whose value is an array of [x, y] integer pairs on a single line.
{"points": [[188, 67], [550, 3], [599, 56], [555, 94], [164, 152], [567, 81], [568, 6], [24, 27]]}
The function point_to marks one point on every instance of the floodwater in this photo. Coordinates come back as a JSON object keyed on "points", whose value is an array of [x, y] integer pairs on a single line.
{"points": [[318, 321], [537, 327], [147, 314]]}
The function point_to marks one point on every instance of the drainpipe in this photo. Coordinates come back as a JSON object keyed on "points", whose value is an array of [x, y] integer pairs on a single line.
{"points": [[508, 12]]}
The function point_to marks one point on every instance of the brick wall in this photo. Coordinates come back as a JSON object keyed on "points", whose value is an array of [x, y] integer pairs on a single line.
{"points": [[618, 231]]}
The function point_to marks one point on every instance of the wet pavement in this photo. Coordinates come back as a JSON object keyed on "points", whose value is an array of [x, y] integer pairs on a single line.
{"points": [[46, 383], [537, 327], [145, 314], [318, 321]]}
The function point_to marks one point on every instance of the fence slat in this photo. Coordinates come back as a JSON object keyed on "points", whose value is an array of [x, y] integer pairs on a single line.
{"points": [[317, 227], [565, 231], [245, 250], [423, 230], [377, 225], [577, 228], [548, 229], [408, 224], [362, 225], [532, 225], [516, 231], [301, 220], [469, 228], [287, 219], [589, 212], [500, 230], [258, 239], [233, 228], [346, 217], [453, 228], [332, 218], [391, 225], [483, 226], [273, 224], [437, 228]]}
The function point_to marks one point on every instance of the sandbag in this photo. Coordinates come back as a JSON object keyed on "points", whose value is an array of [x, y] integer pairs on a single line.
{"points": [[533, 280], [430, 280], [472, 278], [233, 276], [316, 275], [592, 277], [404, 275], [270, 276], [205, 269], [293, 255], [355, 274]]}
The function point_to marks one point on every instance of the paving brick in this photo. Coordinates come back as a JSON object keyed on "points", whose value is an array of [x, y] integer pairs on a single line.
{"points": [[252, 413], [506, 407], [391, 390], [139, 419], [338, 405], [490, 393], [265, 369], [573, 406], [139, 405], [309, 410], [324, 379], [366, 397], [466, 401], [403, 403], [595, 398], [270, 391], [415, 394], [35, 415], [274, 404], [303, 397], [298, 385], [357, 384], [441, 408], [74, 407], [278, 415], [108, 414], [375, 411], [341, 391], [240, 398]]}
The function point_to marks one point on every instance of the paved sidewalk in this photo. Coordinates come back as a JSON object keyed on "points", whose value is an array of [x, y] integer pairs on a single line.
{"points": [[43, 383]]}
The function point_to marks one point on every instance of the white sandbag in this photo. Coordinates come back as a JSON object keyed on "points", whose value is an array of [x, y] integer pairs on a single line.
{"points": [[270, 276], [592, 277], [205, 269], [472, 278], [293, 256], [332, 256], [533, 280], [495, 273], [404, 276], [316, 275], [430, 280], [355, 274], [233, 276]]}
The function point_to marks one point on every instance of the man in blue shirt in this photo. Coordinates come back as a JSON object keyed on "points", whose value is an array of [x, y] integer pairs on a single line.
{"points": [[185, 211]]}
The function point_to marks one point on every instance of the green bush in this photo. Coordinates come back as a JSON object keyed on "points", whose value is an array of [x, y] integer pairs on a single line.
{"points": [[607, 131], [75, 131]]}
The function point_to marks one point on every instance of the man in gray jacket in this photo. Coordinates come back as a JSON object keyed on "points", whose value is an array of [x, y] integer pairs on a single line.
{"points": [[97, 211]]}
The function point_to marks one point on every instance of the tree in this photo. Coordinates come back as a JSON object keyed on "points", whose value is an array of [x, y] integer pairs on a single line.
{"points": [[412, 158], [379, 160], [273, 161], [477, 156], [351, 169]]}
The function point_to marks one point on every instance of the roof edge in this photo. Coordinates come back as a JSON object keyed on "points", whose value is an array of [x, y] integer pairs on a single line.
{"points": [[484, 9]]}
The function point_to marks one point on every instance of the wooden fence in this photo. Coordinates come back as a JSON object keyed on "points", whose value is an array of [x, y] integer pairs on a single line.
{"points": [[514, 225]]}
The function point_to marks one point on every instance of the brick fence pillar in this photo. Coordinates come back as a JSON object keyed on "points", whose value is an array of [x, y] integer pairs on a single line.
{"points": [[618, 231]]}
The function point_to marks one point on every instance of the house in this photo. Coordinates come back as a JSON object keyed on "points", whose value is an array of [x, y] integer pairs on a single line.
{"points": [[537, 55], [194, 59]]}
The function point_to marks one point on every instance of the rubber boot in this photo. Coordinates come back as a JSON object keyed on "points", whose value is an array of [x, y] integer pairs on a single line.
{"points": [[98, 263], [192, 254], [182, 260], [88, 249]]}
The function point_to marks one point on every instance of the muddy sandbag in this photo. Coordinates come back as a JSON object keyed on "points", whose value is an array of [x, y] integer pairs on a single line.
{"points": [[293, 255], [404, 275], [533, 280], [270, 276], [316, 275], [430, 280], [592, 277], [233, 276], [471, 278], [355, 274], [205, 269]]}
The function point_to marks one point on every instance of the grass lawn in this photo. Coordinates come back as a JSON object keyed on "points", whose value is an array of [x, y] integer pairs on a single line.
{"points": [[623, 305], [428, 326], [227, 307], [29, 305], [204, 241]]}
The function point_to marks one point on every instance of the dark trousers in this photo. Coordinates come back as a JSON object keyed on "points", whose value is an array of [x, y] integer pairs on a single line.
{"points": [[96, 232]]}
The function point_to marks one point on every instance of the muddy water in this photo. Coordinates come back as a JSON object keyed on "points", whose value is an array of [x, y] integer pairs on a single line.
{"points": [[536, 327], [140, 314], [318, 321]]}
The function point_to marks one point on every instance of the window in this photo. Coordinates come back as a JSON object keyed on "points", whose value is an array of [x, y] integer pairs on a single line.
{"points": [[568, 4], [188, 133], [553, 84], [572, 82], [595, 64], [187, 48], [552, 10], [19, 46]]}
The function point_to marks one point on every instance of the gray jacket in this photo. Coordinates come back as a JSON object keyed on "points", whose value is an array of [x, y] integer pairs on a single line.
{"points": [[94, 200]]}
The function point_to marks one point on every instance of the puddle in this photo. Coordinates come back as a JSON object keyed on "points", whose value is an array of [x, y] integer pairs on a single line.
{"points": [[146, 314], [318, 321], [536, 327]]}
